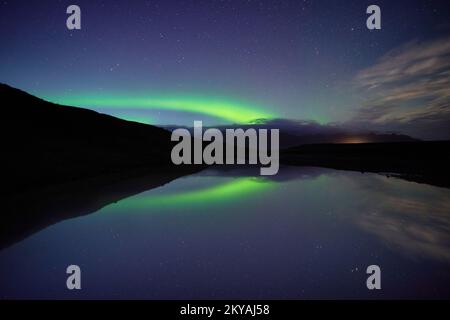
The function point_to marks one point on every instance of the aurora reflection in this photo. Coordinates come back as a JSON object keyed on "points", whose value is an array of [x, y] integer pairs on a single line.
{"points": [[223, 192]]}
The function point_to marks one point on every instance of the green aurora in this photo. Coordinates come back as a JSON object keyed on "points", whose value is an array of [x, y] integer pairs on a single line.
{"points": [[230, 190], [234, 111]]}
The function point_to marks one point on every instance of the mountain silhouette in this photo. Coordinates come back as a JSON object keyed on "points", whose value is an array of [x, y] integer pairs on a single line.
{"points": [[419, 161], [61, 162], [25, 213], [45, 143]]}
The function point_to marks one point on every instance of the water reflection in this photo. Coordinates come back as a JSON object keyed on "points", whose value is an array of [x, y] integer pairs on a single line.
{"points": [[223, 191], [411, 218], [305, 233]]}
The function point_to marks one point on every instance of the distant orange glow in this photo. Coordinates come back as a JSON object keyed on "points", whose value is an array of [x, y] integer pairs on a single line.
{"points": [[354, 140]]}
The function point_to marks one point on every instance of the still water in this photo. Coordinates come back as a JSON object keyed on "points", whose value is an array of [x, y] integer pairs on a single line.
{"points": [[308, 233]]}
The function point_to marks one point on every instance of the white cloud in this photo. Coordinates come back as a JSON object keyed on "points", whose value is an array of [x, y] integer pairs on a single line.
{"points": [[408, 90]]}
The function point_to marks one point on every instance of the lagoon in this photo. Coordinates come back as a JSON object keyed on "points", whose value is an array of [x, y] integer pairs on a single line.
{"points": [[304, 233]]}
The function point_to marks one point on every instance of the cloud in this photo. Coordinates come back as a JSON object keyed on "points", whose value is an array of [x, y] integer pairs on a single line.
{"points": [[298, 127], [408, 217], [408, 90]]}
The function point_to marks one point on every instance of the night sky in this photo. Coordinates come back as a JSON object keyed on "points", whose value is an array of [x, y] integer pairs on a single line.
{"points": [[172, 62]]}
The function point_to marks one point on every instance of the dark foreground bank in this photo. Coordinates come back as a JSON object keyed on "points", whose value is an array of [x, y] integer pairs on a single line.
{"points": [[419, 161]]}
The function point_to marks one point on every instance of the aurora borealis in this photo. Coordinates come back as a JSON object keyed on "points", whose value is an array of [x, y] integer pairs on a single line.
{"points": [[284, 149], [225, 62], [227, 110]]}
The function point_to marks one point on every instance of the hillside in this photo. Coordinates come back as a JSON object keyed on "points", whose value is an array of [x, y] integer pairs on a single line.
{"points": [[45, 143], [420, 161]]}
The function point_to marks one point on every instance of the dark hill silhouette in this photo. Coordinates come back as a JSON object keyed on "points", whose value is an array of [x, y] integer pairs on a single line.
{"points": [[45, 143], [60, 162], [419, 161], [26, 213]]}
